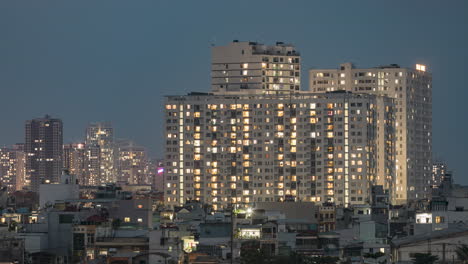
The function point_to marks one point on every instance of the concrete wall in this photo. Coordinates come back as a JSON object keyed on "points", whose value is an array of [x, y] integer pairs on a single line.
{"points": [[55, 192], [435, 247]]}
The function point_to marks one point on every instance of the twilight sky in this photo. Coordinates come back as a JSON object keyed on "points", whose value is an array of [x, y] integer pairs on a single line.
{"points": [[113, 60]]}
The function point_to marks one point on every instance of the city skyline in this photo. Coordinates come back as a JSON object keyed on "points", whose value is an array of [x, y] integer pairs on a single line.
{"points": [[137, 80]]}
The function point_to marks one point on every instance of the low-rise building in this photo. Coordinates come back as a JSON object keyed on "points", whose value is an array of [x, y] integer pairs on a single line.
{"points": [[442, 244]]}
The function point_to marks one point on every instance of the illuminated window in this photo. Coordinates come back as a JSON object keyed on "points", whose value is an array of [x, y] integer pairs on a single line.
{"points": [[140, 206], [127, 219], [439, 219], [420, 67]]}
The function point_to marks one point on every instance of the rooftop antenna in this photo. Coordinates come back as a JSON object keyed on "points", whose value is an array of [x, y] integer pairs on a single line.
{"points": [[213, 41]]}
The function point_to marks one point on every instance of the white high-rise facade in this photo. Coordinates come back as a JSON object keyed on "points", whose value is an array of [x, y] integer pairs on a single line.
{"points": [[100, 154], [412, 92], [249, 67], [13, 168], [245, 148]]}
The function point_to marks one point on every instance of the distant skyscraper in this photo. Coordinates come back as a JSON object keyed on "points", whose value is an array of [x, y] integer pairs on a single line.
{"points": [[13, 168], [132, 163], [412, 91], [157, 168], [74, 160], [100, 152], [92, 170], [247, 148], [250, 66], [44, 149], [439, 172], [22, 180]]}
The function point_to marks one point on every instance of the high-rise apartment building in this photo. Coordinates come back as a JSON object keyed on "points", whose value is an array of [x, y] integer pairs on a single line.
{"points": [[74, 160], [13, 168], [246, 148], [439, 172], [92, 171], [100, 154], [412, 92], [250, 66], [44, 149], [132, 163]]}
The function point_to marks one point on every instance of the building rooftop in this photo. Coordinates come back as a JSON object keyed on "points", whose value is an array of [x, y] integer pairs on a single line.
{"points": [[280, 48], [259, 96], [452, 231]]}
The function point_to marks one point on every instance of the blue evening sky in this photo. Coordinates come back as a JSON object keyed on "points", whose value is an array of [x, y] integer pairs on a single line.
{"points": [[113, 60]]}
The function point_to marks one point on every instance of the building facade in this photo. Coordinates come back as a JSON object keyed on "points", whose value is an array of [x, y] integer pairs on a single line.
{"points": [[13, 168], [74, 160], [223, 149], [43, 147], [439, 172], [132, 163], [100, 154], [412, 92], [250, 66]]}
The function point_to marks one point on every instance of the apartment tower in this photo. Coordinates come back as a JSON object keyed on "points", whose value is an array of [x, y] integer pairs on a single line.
{"points": [[412, 91], [439, 171], [43, 148], [132, 163], [246, 148], [74, 160], [250, 67], [13, 168], [100, 154]]}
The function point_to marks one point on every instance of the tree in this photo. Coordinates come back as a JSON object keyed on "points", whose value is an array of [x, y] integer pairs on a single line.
{"points": [[462, 253], [12, 226], [324, 260], [374, 255], [253, 256], [116, 223], [424, 258], [296, 258]]}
